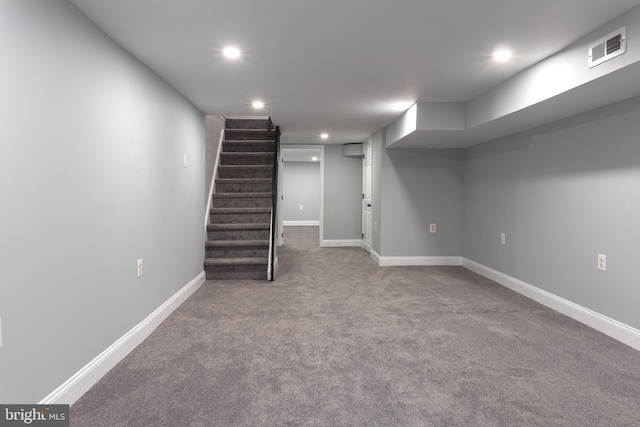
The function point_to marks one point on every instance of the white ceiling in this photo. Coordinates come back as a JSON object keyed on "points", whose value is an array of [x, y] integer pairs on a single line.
{"points": [[337, 66]]}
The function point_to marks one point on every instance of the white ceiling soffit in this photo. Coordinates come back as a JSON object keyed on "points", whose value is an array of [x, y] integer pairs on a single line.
{"points": [[340, 66], [561, 86]]}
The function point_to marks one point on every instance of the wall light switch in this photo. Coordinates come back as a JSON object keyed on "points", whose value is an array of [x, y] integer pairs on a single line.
{"points": [[503, 238], [139, 267], [301, 207], [185, 161], [432, 228], [602, 262]]}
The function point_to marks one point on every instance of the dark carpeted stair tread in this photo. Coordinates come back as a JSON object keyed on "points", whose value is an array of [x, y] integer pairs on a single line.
{"points": [[248, 141], [251, 123], [245, 168], [242, 180], [243, 185], [241, 195], [235, 261], [246, 158], [247, 153], [241, 167], [248, 130], [248, 210], [248, 134], [240, 226], [236, 243]]}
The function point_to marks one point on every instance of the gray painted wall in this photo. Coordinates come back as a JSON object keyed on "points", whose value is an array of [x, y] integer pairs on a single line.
{"points": [[378, 143], [301, 183], [342, 195], [563, 194], [213, 128], [418, 188], [91, 179]]}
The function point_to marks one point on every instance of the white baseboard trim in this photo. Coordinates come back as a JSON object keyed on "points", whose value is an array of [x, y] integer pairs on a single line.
{"points": [[300, 223], [397, 261], [341, 243], [375, 256], [88, 376], [617, 330]]}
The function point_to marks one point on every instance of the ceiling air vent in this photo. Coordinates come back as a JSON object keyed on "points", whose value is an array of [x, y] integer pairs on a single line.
{"points": [[608, 47]]}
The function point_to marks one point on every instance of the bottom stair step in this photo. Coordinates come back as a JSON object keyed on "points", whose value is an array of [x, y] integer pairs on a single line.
{"points": [[237, 249], [236, 268], [235, 261]]}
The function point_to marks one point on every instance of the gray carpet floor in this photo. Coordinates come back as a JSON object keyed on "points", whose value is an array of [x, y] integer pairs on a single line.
{"points": [[338, 341]]}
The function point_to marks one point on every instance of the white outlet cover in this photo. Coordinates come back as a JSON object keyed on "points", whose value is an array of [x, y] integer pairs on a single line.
{"points": [[432, 228], [602, 262], [139, 266], [503, 238]]}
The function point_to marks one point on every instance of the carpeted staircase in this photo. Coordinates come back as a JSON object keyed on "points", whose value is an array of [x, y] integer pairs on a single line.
{"points": [[239, 231]]}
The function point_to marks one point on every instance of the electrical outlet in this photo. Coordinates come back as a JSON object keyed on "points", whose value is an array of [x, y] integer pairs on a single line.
{"points": [[432, 228], [503, 238], [602, 262], [301, 207], [139, 267]]}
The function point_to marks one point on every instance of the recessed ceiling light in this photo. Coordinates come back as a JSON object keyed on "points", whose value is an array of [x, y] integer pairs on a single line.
{"points": [[315, 159], [257, 104], [231, 52], [324, 136], [502, 55]]}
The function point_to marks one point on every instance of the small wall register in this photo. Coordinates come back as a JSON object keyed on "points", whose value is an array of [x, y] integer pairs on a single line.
{"points": [[34, 415]]}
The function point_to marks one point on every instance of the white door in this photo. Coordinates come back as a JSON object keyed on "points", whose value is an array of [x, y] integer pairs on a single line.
{"points": [[367, 171]]}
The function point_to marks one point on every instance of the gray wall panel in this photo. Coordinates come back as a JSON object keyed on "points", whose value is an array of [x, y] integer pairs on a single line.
{"points": [[301, 182], [377, 145], [563, 194], [420, 187], [342, 195], [213, 128], [91, 179]]}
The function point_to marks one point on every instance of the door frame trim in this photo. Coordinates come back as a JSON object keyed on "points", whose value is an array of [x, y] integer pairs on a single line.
{"points": [[321, 161]]}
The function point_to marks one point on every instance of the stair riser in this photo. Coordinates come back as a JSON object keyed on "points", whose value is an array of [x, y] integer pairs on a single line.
{"points": [[244, 147], [245, 172], [238, 234], [234, 159], [249, 218], [243, 187], [240, 135], [237, 272], [241, 202], [261, 252], [246, 124]]}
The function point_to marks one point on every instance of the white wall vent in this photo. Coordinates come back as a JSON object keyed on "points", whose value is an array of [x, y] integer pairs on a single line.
{"points": [[608, 47]]}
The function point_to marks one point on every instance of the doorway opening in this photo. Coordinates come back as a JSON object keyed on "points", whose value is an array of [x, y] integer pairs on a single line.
{"points": [[302, 191]]}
